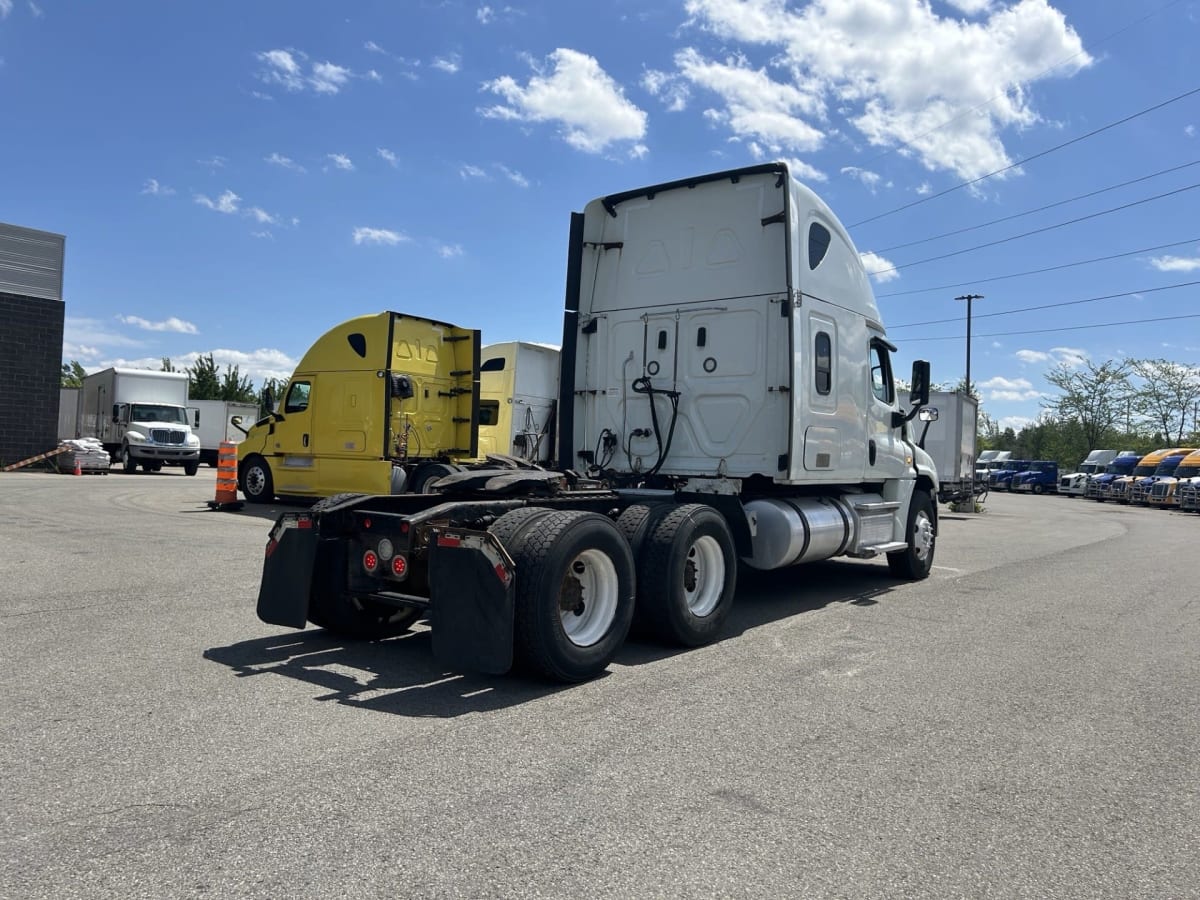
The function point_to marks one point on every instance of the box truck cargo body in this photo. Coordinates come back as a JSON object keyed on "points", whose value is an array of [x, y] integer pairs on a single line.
{"points": [[215, 425]]}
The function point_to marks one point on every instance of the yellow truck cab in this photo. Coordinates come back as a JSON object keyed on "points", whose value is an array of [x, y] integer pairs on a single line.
{"points": [[1164, 493], [1119, 488], [518, 392], [380, 404]]}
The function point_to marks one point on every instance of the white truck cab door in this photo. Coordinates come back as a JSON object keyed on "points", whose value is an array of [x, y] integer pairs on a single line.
{"points": [[887, 454]]}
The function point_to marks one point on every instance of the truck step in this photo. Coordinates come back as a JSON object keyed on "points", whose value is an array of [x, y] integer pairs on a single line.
{"points": [[876, 549]]}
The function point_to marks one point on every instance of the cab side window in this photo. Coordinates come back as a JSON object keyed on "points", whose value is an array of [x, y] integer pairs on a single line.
{"points": [[297, 397], [881, 374], [823, 357]]}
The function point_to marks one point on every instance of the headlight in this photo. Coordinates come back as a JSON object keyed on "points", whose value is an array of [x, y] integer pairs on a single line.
{"points": [[135, 437], [193, 441]]}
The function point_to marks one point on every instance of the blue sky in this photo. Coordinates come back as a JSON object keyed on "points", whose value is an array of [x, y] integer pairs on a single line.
{"points": [[235, 178]]}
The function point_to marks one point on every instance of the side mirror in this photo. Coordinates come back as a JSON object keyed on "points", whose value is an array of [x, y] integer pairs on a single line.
{"points": [[919, 392], [928, 414]]}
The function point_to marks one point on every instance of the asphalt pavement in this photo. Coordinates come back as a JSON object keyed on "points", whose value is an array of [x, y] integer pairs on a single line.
{"points": [[1024, 723]]}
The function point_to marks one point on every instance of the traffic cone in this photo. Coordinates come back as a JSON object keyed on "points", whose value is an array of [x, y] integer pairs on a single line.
{"points": [[78, 470], [226, 497]]}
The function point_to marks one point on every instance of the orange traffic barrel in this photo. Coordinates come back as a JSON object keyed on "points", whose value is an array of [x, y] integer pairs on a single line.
{"points": [[226, 477]]}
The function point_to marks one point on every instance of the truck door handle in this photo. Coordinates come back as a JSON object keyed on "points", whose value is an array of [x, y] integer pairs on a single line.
{"points": [[304, 440], [871, 452]]}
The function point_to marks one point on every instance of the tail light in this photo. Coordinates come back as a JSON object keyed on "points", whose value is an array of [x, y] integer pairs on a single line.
{"points": [[370, 561]]}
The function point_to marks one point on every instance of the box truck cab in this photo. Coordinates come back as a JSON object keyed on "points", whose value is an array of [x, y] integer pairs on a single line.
{"points": [[1120, 488], [381, 403], [1139, 491], [1041, 477], [518, 392], [1123, 464], [1074, 484], [141, 417], [726, 395]]}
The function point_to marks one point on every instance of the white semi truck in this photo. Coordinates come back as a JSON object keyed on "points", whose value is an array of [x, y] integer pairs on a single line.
{"points": [[141, 418], [726, 394]]}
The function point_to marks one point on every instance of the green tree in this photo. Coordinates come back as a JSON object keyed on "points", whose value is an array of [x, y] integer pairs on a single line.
{"points": [[1092, 396], [204, 383], [237, 388], [1166, 396], [167, 365], [72, 374]]}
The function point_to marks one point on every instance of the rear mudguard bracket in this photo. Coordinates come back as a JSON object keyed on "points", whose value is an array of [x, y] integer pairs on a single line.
{"points": [[288, 572]]}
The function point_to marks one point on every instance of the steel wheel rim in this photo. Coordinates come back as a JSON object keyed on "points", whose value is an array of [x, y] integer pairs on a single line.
{"points": [[704, 570], [256, 480], [594, 576], [922, 536]]}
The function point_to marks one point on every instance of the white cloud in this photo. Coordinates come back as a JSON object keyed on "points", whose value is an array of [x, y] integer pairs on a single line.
{"points": [[281, 68], [798, 167], [638, 151], [153, 187], [515, 177], [1176, 263], [340, 161], [263, 234], [258, 365], [284, 162], [374, 47], [1189, 130], [449, 251], [590, 108], [1068, 356], [880, 269], [450, 64], [261, 216], [373, 75], [328, 78], [226, 203], [923, 189], [1016, 423], [671, 89], [904, 73], [1010, 389], [379, 236], [468, 171], [971, 7], [173, 324], [386, 155], [213, 162], [483, 15], [35, 10], [93, 333], [5, 8], [867, 177]]}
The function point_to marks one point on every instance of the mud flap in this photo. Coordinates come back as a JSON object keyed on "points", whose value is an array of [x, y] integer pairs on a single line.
{"points": [[287, 575], [471, 602]]}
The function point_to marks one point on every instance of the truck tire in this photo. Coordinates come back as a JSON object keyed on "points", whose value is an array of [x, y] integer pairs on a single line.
{"points": [[1038, 488], [687, 575], [636, 521], [574, 594], [191, 468], [915, 561], [508, 526], [256, 481], [128, 463], [428, 474]]}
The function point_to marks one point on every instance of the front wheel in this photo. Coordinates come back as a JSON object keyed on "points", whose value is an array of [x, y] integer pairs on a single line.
{"points": [[915, 561], [257, 484], [128, 463], [191, 468], [687, 575], [574, 593], [1038, 488]]}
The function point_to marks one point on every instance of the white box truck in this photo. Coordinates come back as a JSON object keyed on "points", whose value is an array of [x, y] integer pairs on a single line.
{"points": [[141, 418], [214, 424], [949, 438], [726, 393]]}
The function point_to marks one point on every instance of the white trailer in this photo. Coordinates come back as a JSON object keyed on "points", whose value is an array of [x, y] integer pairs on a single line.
{"points": [[949, 440], [726, 393], [68, 413], [518, 391], [214, 424], [141, 418]]}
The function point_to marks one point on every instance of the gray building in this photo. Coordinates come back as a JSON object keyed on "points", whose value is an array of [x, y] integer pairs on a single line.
{"points": [[31, 340]]}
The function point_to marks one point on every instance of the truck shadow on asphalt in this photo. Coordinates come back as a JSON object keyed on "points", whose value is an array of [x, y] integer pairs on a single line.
{"points": [[401, 676]]}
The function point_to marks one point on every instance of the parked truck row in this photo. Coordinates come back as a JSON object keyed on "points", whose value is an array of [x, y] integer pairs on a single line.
{"points": [[725, 395]]}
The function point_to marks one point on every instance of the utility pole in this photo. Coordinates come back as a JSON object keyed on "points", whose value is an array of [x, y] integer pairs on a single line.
{"points": [[969, 298]]}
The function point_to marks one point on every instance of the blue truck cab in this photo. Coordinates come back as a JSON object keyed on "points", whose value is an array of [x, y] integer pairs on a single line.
{"points": [[1040, 477], [1124, 464], [1001, 479]]}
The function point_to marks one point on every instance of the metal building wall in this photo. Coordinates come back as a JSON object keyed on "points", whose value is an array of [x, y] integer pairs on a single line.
{"points": [[31, 336]]}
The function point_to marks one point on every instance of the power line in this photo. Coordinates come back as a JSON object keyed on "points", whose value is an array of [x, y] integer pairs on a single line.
{"points": [[1031, 157], [1082, 262], [1009, 312], [989, 102], [1029, 212], [1053, 330], [1103, 212]]}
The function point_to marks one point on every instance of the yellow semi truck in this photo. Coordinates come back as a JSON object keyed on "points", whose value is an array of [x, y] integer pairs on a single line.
{"points": [[1164, 493], [381, 404]]}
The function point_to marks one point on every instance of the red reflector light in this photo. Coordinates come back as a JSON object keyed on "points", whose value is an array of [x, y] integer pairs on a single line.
{"points": [[404, 528], [399, 566], [444, 540], [370, 561], [367, 523], [304, 523]]}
